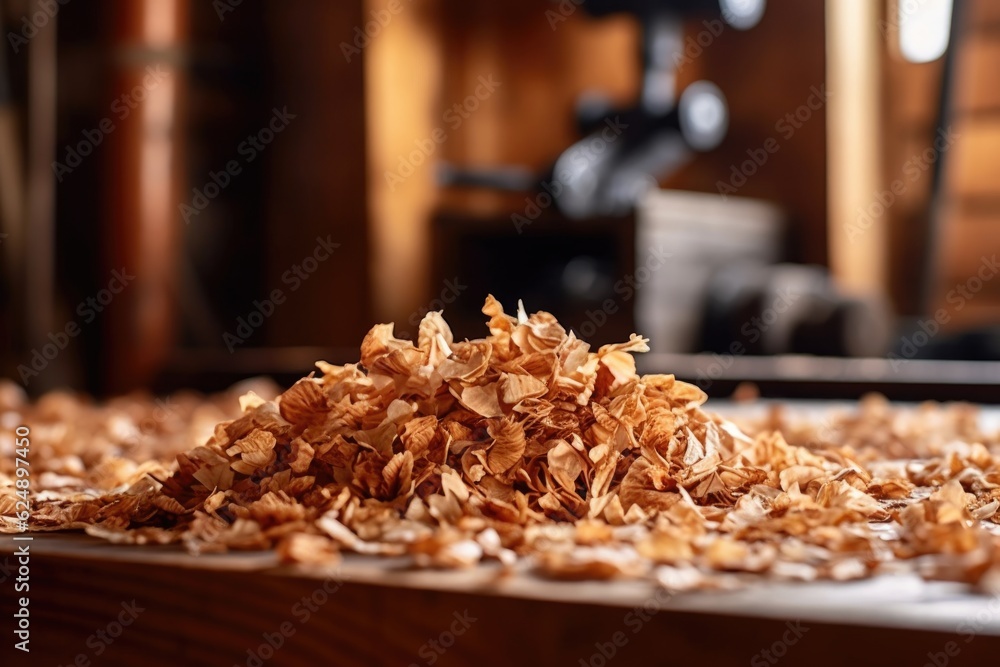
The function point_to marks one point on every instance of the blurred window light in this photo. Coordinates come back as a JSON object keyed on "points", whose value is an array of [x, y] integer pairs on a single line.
{"points": [[742, 14], [924, 26]]}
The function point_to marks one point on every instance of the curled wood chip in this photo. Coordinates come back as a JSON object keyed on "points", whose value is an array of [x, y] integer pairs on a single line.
{"points": [[482, 400], [516, 387], [256, 451], [304, 403], [508, 445]]}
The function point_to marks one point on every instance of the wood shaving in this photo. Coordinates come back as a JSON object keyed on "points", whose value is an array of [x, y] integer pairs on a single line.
{"points": [[527, 448]]}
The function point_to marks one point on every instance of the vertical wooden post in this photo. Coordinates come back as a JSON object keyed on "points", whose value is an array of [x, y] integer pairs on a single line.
{"points": [[39, 238], [143, 182], [857, 244]]}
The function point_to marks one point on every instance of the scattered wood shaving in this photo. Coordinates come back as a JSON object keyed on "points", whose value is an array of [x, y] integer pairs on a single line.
{"points": [[526, 447]]}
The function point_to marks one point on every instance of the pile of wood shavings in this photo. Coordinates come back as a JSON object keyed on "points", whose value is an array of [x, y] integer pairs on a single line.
{"points": [[530, 449]]}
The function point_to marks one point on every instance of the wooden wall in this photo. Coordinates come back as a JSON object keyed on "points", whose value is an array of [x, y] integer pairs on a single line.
{"points": [[431, 57], [967, 230], [766, 73], [910, 103], [426, 61], [318, 175]]}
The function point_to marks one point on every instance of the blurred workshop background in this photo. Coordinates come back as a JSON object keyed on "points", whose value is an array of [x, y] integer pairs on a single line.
{"points": [[798, 194]]}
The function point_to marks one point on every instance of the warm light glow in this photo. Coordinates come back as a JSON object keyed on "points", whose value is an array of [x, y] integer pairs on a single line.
{"points": [[160, 25]]}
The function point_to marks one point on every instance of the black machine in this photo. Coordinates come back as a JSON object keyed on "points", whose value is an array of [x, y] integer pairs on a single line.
{"points": [[664, 127], [581, 243]]}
